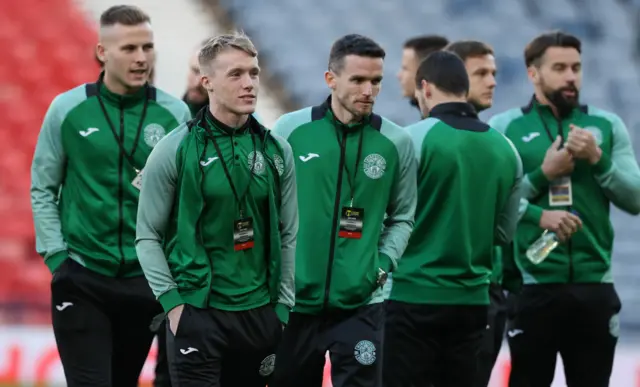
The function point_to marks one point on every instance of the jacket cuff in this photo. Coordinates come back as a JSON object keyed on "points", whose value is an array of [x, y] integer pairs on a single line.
{"points": [[537, 179], [282, 311], [388, 264], [54, 261], [533, 214], [170, 300], [603, 165]]}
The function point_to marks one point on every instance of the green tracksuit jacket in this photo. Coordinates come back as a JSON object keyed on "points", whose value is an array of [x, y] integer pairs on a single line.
{"points": [[468, 195], [586, 257], [333, 272], [84, 203], [185, 235]]}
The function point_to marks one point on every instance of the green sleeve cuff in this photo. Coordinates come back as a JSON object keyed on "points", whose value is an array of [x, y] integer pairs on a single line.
{"points": [[54, 261], [603, 165], [388, 264], [537, 179], [532, 214], [170, 300], [283, 313]]}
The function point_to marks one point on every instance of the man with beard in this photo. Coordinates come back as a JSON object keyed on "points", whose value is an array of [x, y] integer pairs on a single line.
{"points": [[414, 52], [577, 158]]}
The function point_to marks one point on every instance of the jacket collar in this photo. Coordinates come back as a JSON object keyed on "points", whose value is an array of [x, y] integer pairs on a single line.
{"points": [[137, 97], [204, 117], [463, 109], [324, 111]]}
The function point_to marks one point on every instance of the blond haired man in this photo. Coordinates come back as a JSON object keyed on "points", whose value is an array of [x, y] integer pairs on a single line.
{"points": [[216, 229]]}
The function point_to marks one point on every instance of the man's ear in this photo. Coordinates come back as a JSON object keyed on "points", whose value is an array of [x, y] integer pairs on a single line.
{"points": [[100, 52], [533, 73], [330, 79], [206, 83], [427, 89]]}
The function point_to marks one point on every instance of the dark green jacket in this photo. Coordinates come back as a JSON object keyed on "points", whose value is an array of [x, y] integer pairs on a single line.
{"points": [[84, 203], [586, 257], [185, 236], [468, 194], [334, 272]]}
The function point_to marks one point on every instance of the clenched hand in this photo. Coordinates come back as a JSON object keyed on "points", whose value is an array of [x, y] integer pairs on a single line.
{"points": [[582, 144]]}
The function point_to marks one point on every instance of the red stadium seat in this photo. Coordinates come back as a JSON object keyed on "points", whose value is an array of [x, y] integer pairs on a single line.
{"points": [[50, 46]]}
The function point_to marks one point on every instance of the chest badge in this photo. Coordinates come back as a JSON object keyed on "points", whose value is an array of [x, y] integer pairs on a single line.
{"points": [[259, 166], [153, 133], [597, 133], [279, 162], [374, 166]]}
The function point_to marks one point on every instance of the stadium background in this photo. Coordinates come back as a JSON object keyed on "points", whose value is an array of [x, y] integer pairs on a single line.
{"points": [[48, 48]]}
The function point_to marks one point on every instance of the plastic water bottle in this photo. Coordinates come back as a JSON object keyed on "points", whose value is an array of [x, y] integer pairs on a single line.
{"points": [[543, 246]]}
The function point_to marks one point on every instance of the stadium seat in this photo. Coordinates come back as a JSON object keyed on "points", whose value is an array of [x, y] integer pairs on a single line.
{"points": [[49, 50]]}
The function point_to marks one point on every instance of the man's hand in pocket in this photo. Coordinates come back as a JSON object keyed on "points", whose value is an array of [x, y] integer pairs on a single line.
{"points": [[174, 318]]}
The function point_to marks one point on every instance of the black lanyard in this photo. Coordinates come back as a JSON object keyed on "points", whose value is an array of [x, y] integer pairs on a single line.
{"points": [[239, 199], [546, 129], [120, 141], [343, 149]]}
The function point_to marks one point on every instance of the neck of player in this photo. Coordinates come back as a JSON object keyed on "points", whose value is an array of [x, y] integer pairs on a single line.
{"points": [[342, 114], [227, 117], [117, 87], [440, 99], [543, 100]]}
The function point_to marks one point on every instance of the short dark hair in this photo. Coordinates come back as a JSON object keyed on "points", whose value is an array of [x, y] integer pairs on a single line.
{"points": [[425, 45], [128, 15], [353, 44], [536, 49], [466, 49], [446, 71]]}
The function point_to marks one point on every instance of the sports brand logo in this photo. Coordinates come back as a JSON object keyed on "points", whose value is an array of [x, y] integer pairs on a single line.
{"points": [[374, 166], [258, 159], [267, 365], [279, 162], [308, 157], [85, 133], [530, 136], [153, 133], [365, 352]]}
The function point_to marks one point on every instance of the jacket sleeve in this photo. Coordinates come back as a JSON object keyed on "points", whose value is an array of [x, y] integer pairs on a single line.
{"points": [[509, 216], [289, 230], [533, 182], [402, 206], [618, 174], [47, 175], [157, 194]]}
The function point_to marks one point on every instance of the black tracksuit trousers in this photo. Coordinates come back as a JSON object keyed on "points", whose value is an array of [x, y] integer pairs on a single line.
{"points": [[101, 326]]}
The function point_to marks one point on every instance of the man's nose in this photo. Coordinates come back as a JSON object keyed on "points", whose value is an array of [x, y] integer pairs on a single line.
{"points": [[367, 89], [247, 82], [140, 56]]}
